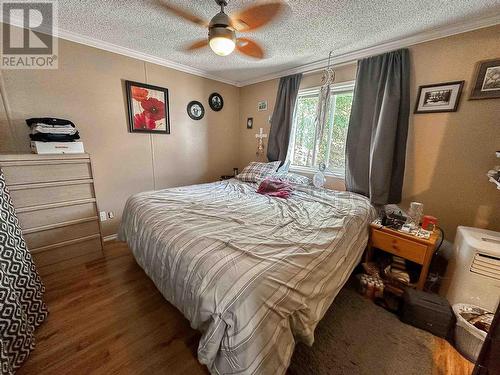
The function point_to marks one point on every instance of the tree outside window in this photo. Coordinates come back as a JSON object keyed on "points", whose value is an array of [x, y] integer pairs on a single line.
{"points": [[330, 149]]}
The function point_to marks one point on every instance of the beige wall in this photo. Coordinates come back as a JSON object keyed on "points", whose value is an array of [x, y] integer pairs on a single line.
{"points": [[88, 89], [252, 94], [447, 158], [448, 154]]}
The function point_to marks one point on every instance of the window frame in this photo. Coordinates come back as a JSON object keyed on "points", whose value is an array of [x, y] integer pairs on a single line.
{"points": [[336, 88]]}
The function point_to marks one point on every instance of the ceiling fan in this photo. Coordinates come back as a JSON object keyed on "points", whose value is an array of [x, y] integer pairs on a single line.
{"points": [[222, 28]]}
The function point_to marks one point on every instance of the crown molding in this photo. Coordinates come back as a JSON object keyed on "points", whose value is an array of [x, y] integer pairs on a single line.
{"points": [[336, 60], [350, 57], [110, 47]]}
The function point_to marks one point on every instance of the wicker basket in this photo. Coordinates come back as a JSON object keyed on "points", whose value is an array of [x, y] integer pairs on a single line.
{"points": [[468, 339]]}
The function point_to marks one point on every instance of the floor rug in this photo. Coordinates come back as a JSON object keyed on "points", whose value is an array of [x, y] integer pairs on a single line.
{"points": [[356, 337]]}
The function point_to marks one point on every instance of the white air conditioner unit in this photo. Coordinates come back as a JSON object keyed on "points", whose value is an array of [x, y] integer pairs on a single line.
{"points": [[473, 272]]}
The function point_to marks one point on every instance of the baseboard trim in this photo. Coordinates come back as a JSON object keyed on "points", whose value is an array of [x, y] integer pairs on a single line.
{"points": [[111, 237]]}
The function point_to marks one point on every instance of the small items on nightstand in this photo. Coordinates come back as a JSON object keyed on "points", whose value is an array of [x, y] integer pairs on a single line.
{"points": [[398, 255], [409, 246]]}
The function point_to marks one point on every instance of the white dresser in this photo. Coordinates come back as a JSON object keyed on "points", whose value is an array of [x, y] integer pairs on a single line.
{"points": [[55, 201]]}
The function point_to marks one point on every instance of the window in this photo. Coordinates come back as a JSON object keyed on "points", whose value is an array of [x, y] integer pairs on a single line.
{"points": [[307, 151]]}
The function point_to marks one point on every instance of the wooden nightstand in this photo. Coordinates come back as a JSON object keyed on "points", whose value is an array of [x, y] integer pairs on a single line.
{"points": [[415, 249]]}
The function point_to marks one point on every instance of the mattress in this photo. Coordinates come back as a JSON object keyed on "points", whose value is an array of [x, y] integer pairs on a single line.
{"points": [[251, 272]]}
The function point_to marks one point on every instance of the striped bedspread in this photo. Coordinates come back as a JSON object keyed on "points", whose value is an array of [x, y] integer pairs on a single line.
{"points": [[253, 273]]}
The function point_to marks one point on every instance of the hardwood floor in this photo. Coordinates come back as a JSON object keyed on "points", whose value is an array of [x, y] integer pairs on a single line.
{"points": [[107, 317]]}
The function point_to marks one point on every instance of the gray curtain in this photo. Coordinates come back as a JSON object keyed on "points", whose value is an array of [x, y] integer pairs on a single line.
{"points": [[281, 123], [378, 127]]}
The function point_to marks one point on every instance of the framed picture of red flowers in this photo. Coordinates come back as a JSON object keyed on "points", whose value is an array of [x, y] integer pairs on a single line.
{"points": [[148, 110]]}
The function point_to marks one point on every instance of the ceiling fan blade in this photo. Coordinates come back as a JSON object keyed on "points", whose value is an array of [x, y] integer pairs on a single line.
{"points": [[250, 48], [257, 16], [196, 45], [184, 14]]}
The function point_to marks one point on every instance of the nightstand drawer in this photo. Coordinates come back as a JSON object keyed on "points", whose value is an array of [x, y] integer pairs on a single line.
{"points": [[399, 246]]}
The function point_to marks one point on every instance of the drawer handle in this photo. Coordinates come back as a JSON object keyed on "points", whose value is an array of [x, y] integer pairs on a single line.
{"points": [[395, 247]]}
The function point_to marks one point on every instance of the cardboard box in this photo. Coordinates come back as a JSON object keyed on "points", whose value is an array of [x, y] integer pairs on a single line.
{"points": [[57, 147]]}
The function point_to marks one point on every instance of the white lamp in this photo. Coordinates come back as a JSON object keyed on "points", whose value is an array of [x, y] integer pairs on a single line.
{"points": [[222, 40]]}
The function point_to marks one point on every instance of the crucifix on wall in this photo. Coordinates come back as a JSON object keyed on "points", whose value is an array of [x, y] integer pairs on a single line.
{"points": [[260, 143]]}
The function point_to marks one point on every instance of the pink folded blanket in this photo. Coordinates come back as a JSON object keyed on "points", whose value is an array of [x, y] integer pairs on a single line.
{"points": [[275, 188]]}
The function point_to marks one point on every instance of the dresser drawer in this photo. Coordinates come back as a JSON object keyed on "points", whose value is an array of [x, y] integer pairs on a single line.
{"points": [[35, 172], [399, 246], [51, 236], [55, 215], [53, 192]]}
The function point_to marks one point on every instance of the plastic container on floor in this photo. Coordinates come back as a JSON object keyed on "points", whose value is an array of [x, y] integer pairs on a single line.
{"points": [[468, 339], [427, 311]]}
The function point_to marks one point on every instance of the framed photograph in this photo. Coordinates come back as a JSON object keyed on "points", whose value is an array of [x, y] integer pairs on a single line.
{"points": [[487, 83], [440, 97], [216, 102], [262, 105], [148, 110], [250, 123], [195, 110]]}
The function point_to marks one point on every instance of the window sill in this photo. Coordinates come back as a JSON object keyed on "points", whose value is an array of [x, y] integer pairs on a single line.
{"points": [[308, 170]]}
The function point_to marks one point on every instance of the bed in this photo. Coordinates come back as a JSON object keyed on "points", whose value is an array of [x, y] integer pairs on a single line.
{"points": [[252, 273]]}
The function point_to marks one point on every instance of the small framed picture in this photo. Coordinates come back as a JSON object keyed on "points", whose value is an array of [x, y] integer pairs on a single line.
{"points": [[148, 110], [262, 105], [195, 110], [487, 83], [250, 123], [440, 97], [216, 102]]}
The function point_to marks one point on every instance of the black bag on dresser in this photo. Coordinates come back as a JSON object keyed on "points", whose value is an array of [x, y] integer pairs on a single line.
{"points": [[428, 311]]}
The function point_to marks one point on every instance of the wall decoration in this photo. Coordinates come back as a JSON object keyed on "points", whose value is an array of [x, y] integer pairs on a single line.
{"points": [[260, 144], [262, 105], [250, 123], [148, 108], [216, 102], [487, 83], [440, 97], [195, 110]]}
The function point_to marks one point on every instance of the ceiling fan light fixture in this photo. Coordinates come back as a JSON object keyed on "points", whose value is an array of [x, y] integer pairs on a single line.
{"points": [[222, 40], [222, 46], [222, 28]]}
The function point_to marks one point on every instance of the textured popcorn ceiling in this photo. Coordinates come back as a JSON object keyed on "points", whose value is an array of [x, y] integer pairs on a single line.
{"points": [[305, 34]]}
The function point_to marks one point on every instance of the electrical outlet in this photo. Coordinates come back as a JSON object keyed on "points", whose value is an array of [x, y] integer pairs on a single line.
{"points": [[111, 215], [103, 216]]}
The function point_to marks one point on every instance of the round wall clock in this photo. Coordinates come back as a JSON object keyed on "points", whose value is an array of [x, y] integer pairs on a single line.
{"points": [[195, 110], [216, 102]]}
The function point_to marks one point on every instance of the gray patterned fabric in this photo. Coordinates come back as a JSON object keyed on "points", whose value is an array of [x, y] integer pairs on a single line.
{"points": [[255, 171], [293, 178], [21, 290], [251, 272]]}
